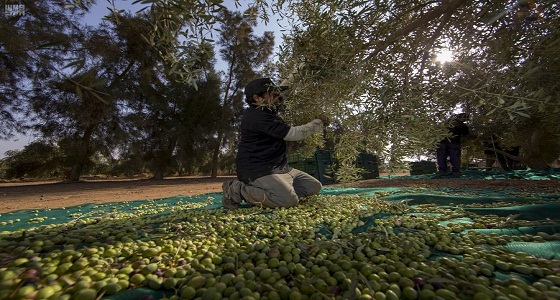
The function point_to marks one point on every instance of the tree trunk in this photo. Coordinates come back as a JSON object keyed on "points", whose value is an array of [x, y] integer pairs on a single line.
{"points": [[216, 155], [83, 155], [534, 157], [226, 102], [162, 160], [158, 174], [159, 165]]}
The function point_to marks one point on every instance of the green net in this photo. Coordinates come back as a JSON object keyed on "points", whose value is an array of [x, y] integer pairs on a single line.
{"points": [[25, 219], [547, 250], [528, 174]]}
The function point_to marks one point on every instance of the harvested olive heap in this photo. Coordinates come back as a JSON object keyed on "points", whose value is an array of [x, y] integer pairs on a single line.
{"points": [[328, 247]]}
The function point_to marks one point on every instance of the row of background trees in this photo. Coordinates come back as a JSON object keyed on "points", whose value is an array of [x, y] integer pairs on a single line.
{"points": [[103, 100], [141, 94]]}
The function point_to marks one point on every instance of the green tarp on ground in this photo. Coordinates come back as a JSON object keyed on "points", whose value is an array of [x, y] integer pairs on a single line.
{"points": [[540, 209], [552, 173], [30, 218]]}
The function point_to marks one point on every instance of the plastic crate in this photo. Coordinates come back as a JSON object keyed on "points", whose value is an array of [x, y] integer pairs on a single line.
{"points": [[422, 167], [369, 163], [322, 165], [325, 166]]}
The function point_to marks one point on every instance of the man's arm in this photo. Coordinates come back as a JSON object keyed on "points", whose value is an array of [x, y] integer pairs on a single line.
{"points": [[298, 133]]}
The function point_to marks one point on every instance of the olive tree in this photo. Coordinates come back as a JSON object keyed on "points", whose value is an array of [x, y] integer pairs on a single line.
{"points": [[370, 66]]}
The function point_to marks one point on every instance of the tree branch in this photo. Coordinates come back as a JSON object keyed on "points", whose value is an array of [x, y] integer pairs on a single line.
{"points": [[448, 7], [434, 37]]}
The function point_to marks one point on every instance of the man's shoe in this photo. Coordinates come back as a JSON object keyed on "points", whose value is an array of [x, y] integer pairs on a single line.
{"points": [[457, 173], [227, 201]]}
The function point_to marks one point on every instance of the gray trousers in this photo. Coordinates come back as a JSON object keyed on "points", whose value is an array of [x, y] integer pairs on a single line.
{"points": [[276, 190]]}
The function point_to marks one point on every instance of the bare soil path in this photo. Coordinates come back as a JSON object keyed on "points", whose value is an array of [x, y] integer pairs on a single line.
{"points": [[55, 194]]}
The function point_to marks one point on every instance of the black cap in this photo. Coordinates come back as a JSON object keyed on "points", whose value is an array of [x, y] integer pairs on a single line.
{"points": [[261, 85], [462, 116]]}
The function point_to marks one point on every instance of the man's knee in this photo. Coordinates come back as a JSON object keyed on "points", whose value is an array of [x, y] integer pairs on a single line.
{"points": [[289, 202], [314, 189], [276, 201]]}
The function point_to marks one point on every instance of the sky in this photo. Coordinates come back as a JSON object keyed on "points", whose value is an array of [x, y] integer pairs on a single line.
{"points": [[94, 17]]}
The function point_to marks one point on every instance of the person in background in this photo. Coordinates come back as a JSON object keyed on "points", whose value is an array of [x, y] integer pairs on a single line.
{"points": [[264, 177], [507, 163], [451, 147]]}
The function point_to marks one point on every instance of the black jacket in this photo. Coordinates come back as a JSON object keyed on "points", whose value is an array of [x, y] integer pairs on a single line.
{"points": [[458, 129], [262, 149]]}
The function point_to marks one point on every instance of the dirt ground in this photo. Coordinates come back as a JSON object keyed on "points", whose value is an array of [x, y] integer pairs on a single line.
{"points": [[55, 194]]}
